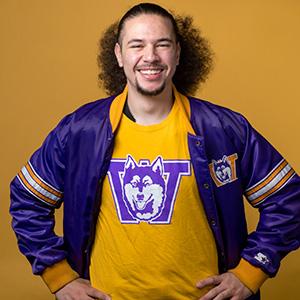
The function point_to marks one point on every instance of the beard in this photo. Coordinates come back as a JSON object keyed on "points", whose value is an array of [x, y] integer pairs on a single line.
{"points": [[145, 92]]}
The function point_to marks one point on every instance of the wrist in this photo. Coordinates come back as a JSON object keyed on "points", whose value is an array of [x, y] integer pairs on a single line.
{"points": [[58, 275], [252, 277]]}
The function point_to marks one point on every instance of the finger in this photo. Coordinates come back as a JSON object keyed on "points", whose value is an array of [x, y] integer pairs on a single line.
{"points": [[96, 294], [213, 280], [213, 293], [224, 295]]}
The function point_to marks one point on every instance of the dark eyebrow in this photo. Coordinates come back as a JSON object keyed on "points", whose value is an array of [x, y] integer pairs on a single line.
{"points": [[134, 41], [158, 41], [165, 40]]}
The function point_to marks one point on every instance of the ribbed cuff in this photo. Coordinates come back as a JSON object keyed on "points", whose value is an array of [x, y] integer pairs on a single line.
{"points": [[252, 277], [58, 275]]}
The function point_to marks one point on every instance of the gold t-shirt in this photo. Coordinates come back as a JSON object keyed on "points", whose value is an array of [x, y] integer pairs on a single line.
{"points": [[152, 237]]}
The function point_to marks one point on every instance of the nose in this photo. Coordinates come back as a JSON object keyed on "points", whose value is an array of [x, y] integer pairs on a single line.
{"points": [[150, 54], [140, 197]]}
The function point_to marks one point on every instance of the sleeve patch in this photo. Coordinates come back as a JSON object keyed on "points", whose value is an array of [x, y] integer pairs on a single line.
{"points": [[38, 187], [270, 184], [262, 258]]}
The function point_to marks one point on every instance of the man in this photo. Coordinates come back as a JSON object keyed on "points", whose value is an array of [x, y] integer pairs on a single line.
{"points": [[152, 183]]}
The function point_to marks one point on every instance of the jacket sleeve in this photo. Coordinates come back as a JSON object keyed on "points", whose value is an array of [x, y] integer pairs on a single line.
{"points": [[272, 186], [36, 192]]}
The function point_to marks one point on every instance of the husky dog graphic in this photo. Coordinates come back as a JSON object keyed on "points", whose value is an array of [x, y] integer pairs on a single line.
{"points": [[146, 191], [222, 169], [144, 188]]}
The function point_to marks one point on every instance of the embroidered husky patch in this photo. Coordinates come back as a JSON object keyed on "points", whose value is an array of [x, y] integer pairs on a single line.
{"points": [[223, 171], [146, 191]]}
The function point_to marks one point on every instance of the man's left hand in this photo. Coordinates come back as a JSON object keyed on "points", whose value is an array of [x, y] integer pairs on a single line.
{"points": [[226, 286]]}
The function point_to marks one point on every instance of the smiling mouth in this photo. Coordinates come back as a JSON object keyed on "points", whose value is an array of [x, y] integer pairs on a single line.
{"points": [[151, 71], [151, 75]]}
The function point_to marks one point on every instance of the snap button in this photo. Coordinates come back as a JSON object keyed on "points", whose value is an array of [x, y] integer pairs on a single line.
{"points": [[206, 185], [198, 143], [213, 222]]}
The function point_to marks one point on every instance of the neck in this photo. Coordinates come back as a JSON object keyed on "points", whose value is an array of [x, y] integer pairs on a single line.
{"points": [[149, 110]]}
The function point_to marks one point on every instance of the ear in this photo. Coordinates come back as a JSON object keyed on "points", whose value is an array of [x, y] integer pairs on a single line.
{"points": [[178, 51], [157, 166], [130, 163], [118, 54]]}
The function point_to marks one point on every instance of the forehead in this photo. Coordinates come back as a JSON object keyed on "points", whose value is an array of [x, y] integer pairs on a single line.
{"points": [[147, 26]]}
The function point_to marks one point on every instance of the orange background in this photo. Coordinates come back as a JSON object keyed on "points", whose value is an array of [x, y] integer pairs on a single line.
{"points": [[48, 68]]}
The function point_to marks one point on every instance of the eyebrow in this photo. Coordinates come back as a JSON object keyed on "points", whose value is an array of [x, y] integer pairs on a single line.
{"points": [[158, 41]]}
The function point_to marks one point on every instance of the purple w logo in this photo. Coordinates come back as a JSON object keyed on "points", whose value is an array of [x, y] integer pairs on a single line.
{"points": [[146, 192]]}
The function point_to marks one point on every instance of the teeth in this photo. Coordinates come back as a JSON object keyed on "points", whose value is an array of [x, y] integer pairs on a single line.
{"points": [[150, 72]]}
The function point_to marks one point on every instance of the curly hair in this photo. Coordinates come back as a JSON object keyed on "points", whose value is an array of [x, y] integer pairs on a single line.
{"points": [[196, 57]]}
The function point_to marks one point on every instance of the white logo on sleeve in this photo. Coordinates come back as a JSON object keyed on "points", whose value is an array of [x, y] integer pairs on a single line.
{"points": [[261, 258]]}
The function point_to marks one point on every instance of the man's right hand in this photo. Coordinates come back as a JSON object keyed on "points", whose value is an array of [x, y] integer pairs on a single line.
{"points": [[80, 289]]}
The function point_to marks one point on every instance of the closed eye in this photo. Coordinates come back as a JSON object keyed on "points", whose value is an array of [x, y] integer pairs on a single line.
{"points": [[164, 45], [136, 46]]}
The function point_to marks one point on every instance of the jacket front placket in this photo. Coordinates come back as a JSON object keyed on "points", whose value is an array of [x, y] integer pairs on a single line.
{"points": [[204, 182]]}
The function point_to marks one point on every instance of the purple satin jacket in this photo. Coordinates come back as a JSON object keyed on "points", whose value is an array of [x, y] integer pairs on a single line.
{"points": [[230, 160]]}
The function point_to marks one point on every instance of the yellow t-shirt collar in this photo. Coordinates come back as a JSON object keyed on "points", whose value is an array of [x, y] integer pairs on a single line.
{"points": [[118, 103]]}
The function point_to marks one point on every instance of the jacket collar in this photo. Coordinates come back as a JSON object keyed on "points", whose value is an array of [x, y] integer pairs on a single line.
{"points": [[118, 103]]}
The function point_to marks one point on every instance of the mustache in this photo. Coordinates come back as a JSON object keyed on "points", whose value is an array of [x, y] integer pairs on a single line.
{"points": [[150, 66]]}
